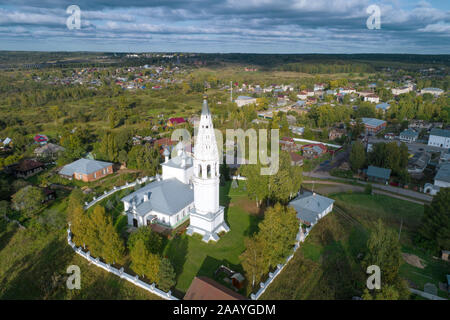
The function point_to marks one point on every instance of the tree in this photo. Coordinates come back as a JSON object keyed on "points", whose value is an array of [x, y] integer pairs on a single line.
{"points": [[383, 250], [357, 156], [76, 217], [28, 200], [102, 238], [152, 240], [143, 262], [254, 259], [166, 275], [278, 232], [434, 231]]}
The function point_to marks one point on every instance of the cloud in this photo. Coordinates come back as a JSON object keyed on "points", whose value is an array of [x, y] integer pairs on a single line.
{"points": [[233, 25]]}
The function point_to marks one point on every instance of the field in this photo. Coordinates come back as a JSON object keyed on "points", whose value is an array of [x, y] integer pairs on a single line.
{"points": [[327, 265]]}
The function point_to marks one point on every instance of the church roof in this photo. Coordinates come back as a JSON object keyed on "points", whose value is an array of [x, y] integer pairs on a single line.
{"points": [[205, 108], [175, 162], [165, 196]]}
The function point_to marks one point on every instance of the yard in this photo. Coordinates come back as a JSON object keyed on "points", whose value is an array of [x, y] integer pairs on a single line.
{"points": [[192, 257], [327, 264]]}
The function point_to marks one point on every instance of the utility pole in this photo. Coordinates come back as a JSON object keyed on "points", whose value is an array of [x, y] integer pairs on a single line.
{"points": [[400, 232]]}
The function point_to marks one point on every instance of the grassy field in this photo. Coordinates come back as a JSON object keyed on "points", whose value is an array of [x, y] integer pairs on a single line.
{"points": [[33, 264], [327, 264], [193, 257]]}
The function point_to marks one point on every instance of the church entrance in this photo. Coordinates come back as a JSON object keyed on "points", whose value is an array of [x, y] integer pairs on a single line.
{"points": [[135, 223]]}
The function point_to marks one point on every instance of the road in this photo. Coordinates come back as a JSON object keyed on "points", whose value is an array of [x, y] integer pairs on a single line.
{"points": [[387, 188]]}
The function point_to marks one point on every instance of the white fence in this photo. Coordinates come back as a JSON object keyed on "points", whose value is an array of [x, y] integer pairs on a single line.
{"points": [[272, 275], [115, 189], [119, 272]]}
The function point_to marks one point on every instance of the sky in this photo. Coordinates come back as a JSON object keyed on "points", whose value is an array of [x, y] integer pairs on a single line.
{"points": [[212, 26]]}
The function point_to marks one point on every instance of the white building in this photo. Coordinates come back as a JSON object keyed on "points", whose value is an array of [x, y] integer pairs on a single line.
{"points": [[402, 90], [166, 201], [206, 217], [244, 100], [311, 207], [372, 98], [439, 138], [441, 180], [434, 91]]}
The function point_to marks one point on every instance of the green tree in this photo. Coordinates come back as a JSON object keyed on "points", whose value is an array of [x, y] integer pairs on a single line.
{"points": [[166, 275], [143, 262], [254, 260], [28, 200], [278, 232], [152, 240], [434, 231], [357, 156]]}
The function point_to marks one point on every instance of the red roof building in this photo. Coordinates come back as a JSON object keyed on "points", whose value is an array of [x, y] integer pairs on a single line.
{"points": [[203, 288]]}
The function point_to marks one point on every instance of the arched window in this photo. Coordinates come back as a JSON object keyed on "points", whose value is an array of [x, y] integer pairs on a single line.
{"points": [[208, 171], [200, 171]]}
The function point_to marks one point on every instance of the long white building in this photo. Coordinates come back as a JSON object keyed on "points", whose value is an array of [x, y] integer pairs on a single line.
{"points": [[439, 138]]}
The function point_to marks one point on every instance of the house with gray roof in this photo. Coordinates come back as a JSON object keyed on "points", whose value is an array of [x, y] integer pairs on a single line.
{"points": [[311, 207], [86, 170], [409, 135], [378, 174], [373, 125], [441, 179]]}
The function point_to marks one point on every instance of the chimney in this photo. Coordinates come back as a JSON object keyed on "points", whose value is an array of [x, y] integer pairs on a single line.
{"points": [[145, 197]]}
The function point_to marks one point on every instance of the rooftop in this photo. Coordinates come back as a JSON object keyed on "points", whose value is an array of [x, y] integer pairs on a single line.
{"points": [[84, 166], [372, 122], [166, 196], [440, 132], [443, 173], [309, 205], [377, 172], [203, 288]]}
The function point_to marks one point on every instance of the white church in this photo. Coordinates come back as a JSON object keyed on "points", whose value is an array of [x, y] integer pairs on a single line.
{"points": [[188, 189]]}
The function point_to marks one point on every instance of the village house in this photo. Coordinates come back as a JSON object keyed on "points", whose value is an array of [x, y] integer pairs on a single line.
{"points": [[418, 163], [288, 144], [244, 100], [50, 150], [372, 98], [296, 159], [383, 106], [336, 133], [376, 174], [311, 207], [86, 170], [26, 168], [373, 125], [401, 90], [408, 135], [173, 122], [314, 150], [441, 180]]}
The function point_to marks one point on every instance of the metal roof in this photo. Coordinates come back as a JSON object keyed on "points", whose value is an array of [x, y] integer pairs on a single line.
{"points": [[440, 132], [309, 205], [443, 173], [166, 196], [372, 122], [84, 166], [378, 172]]}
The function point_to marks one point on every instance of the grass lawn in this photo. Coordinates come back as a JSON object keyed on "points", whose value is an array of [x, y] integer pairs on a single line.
{"points": [[33, 264], [192, 257]]}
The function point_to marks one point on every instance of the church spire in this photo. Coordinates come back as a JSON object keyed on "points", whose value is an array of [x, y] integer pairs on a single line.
{"points": [[205, 108]]}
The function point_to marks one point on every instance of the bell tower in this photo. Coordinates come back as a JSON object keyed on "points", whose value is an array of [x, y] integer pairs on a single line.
{"points": [[207, 217]]}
